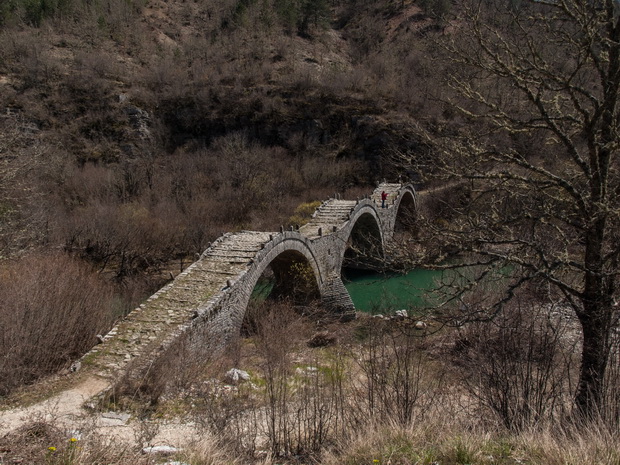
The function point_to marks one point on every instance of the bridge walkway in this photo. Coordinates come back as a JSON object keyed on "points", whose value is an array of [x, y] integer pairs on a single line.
{"points": [[392, 190], [333, 213], [161, 318]]}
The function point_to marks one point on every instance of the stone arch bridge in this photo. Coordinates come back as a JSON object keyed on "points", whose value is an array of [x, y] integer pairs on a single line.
{"points": [[208, 300]]}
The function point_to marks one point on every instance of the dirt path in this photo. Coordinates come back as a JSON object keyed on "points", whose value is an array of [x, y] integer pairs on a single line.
{"points": [[65, 411], [64, 408]]}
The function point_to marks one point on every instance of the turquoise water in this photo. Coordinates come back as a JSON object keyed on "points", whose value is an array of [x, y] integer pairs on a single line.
{"points": [[386, 292], [381, 293]]}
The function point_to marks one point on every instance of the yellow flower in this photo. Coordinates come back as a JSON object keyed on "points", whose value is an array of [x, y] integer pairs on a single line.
{"points": [[51, 449], [375, 461], [73, 440]]}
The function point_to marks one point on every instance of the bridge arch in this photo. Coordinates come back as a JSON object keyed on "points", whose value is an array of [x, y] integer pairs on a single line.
{"points": [[296, 271], [406, 211], [364, 241]]}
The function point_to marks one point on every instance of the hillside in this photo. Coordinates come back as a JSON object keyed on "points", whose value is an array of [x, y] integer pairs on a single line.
{"points": [[159, 106], [134, 133]]}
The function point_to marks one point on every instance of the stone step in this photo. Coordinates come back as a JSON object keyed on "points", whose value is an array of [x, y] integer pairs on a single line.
{"points": [[341, 202], [233, 250], [342, 206], [331, 218], [334, 211], [233, 261], [210, 265], [228, 253], [329, 223], [216, 272], [242, 244], [335, 214]]}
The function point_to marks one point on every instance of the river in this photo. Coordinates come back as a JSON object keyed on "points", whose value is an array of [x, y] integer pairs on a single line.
{"points": [[379, 292], [385, 292]]}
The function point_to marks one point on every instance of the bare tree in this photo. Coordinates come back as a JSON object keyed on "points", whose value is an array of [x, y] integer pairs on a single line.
{"points": [[531, 132]]}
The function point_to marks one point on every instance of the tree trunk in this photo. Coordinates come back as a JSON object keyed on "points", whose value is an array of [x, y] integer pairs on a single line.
{"points": [[589, 398], [595, 319]]}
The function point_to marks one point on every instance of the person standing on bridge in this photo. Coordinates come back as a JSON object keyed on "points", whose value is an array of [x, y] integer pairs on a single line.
{"points": [[383, 199]]}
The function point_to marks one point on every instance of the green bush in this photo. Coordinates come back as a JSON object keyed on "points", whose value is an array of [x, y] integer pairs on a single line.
{"points": [[32, 12], [303, 213], [313, 12], [6, 12], [288, 12]]}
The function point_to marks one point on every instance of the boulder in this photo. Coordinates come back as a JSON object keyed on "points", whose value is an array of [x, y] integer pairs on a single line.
{"points": [[321, 339], [160, 450], [308, 371], [236, 376], [401, 314]]}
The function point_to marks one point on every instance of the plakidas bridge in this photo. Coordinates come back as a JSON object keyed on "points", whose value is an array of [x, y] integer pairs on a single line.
{"points": [[204, 306], [206, 303]]}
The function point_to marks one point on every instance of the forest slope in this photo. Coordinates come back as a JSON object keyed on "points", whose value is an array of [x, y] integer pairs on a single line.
{"points": [[133, 133]]}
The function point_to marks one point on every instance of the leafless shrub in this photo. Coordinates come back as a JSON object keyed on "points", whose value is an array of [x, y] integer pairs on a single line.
{"points": [[305, 409], [343, 80], [168, 76], [399, 382], [283, 410], [30, 442], [52, 309], [96, 64], [230, 414], [38, 67], [305, 79], [367, 36], [520, 365], [44, 443], [276, 332]]}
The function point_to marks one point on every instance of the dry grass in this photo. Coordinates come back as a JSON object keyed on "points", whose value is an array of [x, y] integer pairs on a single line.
{"points": [[445, 440], [328, 405], [439, 440], [53, 307]]}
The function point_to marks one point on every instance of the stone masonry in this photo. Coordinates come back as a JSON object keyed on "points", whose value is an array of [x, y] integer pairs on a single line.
{"points": [[206, 303]]}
